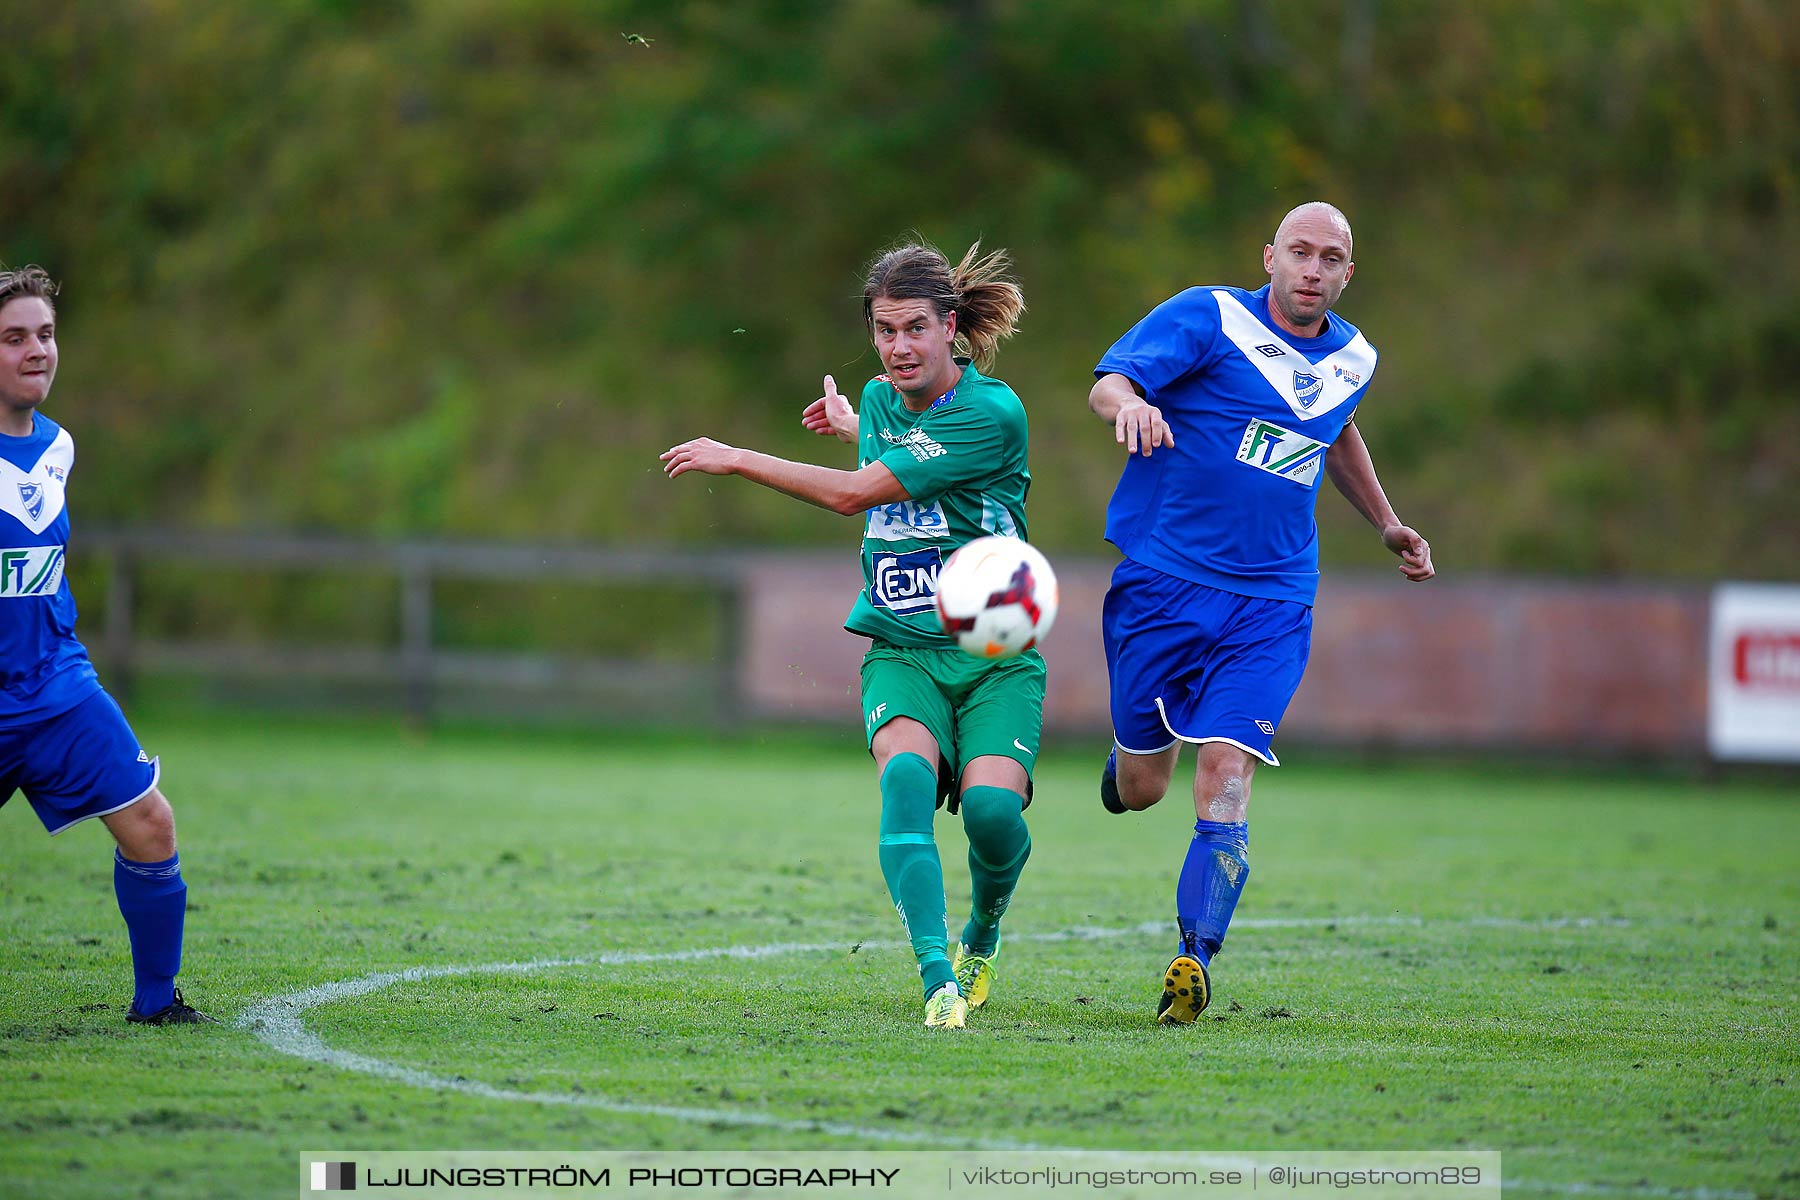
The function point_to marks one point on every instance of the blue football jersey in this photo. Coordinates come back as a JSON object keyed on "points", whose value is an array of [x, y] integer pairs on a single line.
{"points": [[43, 669], [1253, 410]]}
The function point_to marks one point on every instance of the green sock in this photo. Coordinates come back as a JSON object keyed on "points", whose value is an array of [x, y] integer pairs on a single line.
{"points": [[999, 844], [909, 863]]}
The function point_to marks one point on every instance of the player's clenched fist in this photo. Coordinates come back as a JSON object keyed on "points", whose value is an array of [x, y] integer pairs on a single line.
{"points": [[701, 454], [1414, 552]]}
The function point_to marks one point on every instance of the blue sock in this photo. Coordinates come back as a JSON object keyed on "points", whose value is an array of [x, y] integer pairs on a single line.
{"points": [[1212, 879], [153, 901]]}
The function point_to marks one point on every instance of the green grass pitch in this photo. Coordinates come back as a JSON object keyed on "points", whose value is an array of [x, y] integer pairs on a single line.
{"points": [[1594, 973]]}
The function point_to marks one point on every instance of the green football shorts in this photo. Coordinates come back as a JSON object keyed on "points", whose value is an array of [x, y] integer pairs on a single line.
{"points": [[971, 706]]}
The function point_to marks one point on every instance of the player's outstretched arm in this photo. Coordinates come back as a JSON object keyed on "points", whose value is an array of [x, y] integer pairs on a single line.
{"points": [[1137, 424], [1353, 472], [845, 492], [831, 415]]}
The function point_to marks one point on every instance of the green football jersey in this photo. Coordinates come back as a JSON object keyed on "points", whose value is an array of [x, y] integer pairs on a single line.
{"points": [[963, 462]]}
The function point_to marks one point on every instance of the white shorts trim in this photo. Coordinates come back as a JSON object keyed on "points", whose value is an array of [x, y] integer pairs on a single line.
{"points": [[155, 778], [1250, 750], [1124, 749]]}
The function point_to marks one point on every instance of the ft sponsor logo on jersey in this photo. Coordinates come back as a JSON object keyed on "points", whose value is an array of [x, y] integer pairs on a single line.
{"points": [[1269, 447], [30, 571], [905, 583]]}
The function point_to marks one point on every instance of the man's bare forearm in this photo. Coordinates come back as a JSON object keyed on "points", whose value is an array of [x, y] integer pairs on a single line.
{"points": [[1352, 471], [844, 492]]}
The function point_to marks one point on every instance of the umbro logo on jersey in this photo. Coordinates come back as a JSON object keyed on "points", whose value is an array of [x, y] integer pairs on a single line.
{"points": [[32, 496], [142, 757], [1270, 351], [1307, 388]]}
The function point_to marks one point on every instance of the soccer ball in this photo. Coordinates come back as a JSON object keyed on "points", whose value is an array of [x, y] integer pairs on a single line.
{"points": [[996, 596]]}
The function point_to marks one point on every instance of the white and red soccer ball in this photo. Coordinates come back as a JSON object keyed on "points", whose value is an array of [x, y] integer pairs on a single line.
{"points": [[996, 597]]}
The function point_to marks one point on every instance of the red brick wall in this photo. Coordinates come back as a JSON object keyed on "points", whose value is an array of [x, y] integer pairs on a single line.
{"points": [[1490, 663]]}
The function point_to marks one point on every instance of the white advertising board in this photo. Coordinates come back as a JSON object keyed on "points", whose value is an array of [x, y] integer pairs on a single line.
{"points": [[1753, 688]]}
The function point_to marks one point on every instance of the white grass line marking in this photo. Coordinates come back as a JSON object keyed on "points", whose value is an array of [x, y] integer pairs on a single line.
{"points": [[277, 1022]]}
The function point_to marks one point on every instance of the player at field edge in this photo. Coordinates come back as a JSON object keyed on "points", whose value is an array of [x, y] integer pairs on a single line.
{"points": [[63, 740], [1228, 404], [942, 460]]}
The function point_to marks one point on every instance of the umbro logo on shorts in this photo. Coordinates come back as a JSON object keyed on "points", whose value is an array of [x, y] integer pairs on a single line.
{"points": [[1266, 728]]}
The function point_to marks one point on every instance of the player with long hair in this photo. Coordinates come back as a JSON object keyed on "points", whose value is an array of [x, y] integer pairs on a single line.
{"points": [[942, 459]]}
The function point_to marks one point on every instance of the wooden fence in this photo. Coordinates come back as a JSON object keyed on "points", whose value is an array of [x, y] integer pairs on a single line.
{"points": [[1479, 663]]}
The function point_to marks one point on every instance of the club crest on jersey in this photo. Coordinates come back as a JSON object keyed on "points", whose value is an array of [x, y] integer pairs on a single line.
{"points": [[905, 583], [32, 496], [1307, 388], [1269, 447]]}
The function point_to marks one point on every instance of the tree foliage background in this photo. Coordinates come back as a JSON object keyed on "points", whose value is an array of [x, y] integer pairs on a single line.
{"points": [[465, 267]]}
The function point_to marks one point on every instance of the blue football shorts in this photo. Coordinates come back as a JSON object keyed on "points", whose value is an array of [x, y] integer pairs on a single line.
{"points": [[82, 763], [1191, 663]]}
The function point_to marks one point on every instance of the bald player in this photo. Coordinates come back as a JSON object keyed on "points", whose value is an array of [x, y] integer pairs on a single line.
{"points": [[1229, 405]]}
